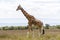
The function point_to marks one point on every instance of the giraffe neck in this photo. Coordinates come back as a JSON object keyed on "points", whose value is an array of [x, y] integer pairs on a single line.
{"points": [[25, 13]]}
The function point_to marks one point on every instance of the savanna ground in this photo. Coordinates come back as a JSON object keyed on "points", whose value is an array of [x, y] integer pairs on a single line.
{"points": [[50, 34]]}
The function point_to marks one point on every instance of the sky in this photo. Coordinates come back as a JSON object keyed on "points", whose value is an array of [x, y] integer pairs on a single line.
{"points": [[48, 11]]}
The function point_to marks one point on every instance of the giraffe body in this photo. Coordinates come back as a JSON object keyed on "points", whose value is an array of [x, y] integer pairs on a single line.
{"points": [[31, 19]]}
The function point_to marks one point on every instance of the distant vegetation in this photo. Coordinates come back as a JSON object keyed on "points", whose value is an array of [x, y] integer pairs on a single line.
{"points": [[13, 28], [20, 32], [47, 26]]}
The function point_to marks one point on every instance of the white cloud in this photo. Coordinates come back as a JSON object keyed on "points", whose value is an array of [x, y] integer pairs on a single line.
{"points": [[41, 9], [8, 10]]}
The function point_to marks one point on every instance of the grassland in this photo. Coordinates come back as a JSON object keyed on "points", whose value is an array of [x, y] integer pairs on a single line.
{"points": [[50, 34]]}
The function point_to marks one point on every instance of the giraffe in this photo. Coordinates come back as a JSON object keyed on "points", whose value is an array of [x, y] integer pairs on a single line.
{"points": [[31, 20]]}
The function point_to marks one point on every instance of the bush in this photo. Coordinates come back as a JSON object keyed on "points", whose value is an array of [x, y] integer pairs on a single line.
{"points": [[47, 26], [58, 26], [5, 28], [11, 28]]}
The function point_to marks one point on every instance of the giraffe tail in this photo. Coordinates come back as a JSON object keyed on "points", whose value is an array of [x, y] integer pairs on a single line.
{"points": [[43, 31]]}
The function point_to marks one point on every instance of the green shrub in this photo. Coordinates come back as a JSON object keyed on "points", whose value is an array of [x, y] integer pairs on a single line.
{"points": [[47, 26], [58, 26]]}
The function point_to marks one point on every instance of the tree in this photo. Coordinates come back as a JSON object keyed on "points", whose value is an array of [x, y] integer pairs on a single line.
{"points": [[11, 28], [58, 26], [5, 28], [47, 26]]}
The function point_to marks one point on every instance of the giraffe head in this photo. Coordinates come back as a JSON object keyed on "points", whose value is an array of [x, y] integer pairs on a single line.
{"points": [[19, 8]]}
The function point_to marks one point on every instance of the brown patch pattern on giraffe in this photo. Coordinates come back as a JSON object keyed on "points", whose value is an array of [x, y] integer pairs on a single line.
{"points": [[31, 19]]}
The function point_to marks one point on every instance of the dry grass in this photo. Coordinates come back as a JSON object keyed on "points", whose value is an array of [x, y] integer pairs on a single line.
{"points": [[51, 34]]}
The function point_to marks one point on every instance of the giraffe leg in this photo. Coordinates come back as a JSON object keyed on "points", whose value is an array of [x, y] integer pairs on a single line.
{"points": [[39, 31], [29, 30], [32, 33], [28, 34]]}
